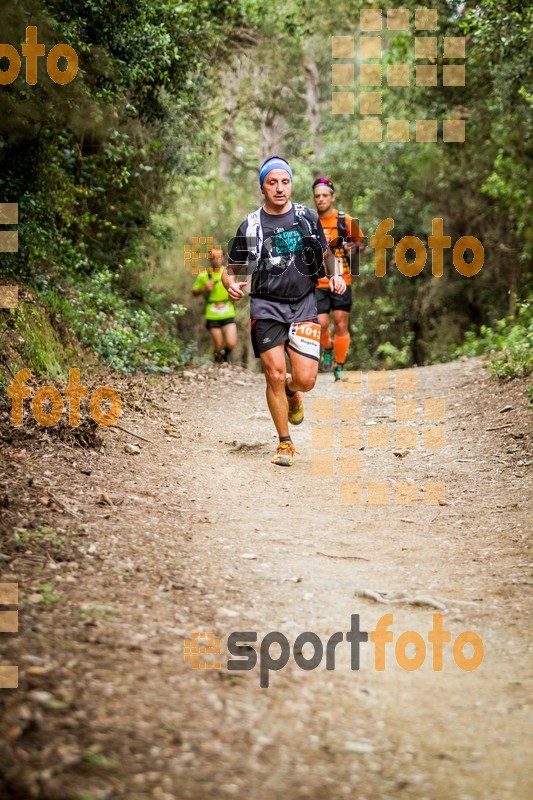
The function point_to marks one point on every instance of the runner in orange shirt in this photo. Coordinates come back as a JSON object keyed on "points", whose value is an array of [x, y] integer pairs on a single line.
{"points": [[335, 224]]}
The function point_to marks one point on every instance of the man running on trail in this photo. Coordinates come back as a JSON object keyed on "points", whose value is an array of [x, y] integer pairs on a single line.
{"points": [[335, 224], [219, 310], [283, 248]]}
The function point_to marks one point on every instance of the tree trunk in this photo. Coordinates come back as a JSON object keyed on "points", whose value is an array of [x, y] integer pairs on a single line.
{"points": [[231, 80], [272, 134], [227, 140], [313, 101]]}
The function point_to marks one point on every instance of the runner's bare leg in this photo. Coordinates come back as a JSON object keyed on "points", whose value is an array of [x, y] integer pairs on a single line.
{"points": [[303, 372], [275, 374], [323, 321], [230, 335], [216, 338], [340, 321]]}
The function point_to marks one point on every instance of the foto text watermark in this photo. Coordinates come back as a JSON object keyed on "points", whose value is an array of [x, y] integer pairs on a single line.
{"points": [[32, 50], [49, 396]]}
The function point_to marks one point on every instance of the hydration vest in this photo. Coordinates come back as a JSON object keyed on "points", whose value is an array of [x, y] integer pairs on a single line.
{"points": [[342, 229], [312, 267]]}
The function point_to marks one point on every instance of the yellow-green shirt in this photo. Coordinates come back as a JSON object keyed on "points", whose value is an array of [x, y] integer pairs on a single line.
{"points": [[218, 305]]}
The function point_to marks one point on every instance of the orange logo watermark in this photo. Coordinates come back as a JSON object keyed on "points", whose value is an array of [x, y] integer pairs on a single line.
{"points": [[200, 645], [380, 241], [366, 74], [32, 50], [343, 427], [9, 623], [200, 249], [9, 295], [17, 391], [9, 240]]}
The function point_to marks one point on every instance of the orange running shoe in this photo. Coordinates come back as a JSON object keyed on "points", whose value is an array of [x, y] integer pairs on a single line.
{"points": [[296, 409], [284, 454]]}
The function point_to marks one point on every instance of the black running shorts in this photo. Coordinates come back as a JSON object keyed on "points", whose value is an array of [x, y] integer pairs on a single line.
{"points": [[302, 337], [330, 301], [218, 323]]}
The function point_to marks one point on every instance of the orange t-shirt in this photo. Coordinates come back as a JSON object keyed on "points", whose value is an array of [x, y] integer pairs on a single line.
{"points": [[329, 225]]}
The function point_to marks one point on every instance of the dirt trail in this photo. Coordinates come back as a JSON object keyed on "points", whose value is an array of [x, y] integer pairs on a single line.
{"points": [[166, 553]]}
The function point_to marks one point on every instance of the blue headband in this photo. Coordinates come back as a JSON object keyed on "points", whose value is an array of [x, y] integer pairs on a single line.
{"points": [[273, 163]]}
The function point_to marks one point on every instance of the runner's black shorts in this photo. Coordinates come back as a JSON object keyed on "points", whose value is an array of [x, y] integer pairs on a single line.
{"points": [[331, 301], [218, 323], [269, 333]]}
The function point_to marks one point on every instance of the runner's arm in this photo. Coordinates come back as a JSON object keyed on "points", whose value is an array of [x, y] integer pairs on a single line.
{"points": [[330, 264], [237, 264], [337, 284], [205, 289], [202, 285], [234, 288]]}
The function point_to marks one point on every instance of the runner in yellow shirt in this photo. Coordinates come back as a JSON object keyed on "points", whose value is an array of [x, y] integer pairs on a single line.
{"points": [[219, 310]]}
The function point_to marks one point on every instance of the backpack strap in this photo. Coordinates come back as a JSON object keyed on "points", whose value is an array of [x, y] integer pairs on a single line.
{"points": [[254, 235], [302, 212], [342, 228]]}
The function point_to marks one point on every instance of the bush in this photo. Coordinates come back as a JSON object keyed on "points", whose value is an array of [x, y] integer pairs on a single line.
{"points": [[124, 334], [509, 341]]}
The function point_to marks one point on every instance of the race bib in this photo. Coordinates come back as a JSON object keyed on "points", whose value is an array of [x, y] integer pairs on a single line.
{"points": [[304, 337], [220, 308]]}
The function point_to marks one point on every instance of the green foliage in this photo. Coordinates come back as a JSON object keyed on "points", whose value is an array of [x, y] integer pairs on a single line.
{"points": [[32, 336], [95, 759], [44, 535], [515, 361], [46, 592], [92, 163], [124, 334], [501, 72], [509, 341], [394, 356]]}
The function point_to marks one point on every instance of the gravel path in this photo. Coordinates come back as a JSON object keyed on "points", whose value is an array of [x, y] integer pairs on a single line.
{"points": [[200, 533]]}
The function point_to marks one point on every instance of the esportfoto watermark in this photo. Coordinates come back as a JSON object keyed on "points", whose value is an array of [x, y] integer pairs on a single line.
{"points": [[245, 658], [9, 240], [381, 241]]}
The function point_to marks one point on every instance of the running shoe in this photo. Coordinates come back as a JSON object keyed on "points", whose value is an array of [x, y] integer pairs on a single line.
{"points": [[296, 409], [337, 372], [327, 359], [284, 454]]}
